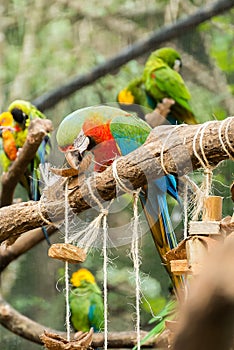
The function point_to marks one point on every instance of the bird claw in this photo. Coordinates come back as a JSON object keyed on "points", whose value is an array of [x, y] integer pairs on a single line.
{"points": [[18, 151]]}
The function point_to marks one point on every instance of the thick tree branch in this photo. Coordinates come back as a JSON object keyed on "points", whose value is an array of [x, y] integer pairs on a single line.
{"points": [[37, 130], [31, 330], [25, 242], [137, 168], [141, 47]]}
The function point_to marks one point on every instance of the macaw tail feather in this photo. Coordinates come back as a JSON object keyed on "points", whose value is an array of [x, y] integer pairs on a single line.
{"points": [[158, 218], [159, 235]]}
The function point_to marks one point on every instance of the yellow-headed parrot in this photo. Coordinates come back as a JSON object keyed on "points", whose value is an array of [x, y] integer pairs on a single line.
{"points": [[86, 302]]}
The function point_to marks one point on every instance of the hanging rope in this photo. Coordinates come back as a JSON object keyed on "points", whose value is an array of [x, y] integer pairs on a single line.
{"points": [[68, 326], [105, 279], [166, 143], [97, 222], [185, 210], [134, 246], [90, 235], [103, 217], [203, 160], [228, 121], [136, 265], [39, 206], [207, 183]]}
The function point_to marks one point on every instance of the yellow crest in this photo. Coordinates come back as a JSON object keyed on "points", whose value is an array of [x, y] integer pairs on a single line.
{"points": [[125, 96], [82, 275]]}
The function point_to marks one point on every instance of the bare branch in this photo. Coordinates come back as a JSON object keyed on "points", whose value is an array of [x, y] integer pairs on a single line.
{"points": [[138, 167], [37, 130], [31, 330], [22, 245], [141, 47]]}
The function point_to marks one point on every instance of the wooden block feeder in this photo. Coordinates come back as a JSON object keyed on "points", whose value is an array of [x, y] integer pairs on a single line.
{"points": [[187, 258], [205, 234], [212, 215], [178, 259], [67, 252]]}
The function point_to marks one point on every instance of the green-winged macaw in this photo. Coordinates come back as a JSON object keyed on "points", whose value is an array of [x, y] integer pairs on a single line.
{"points": [[110, 132], [160, 79], [14, 129], [86, 302]]}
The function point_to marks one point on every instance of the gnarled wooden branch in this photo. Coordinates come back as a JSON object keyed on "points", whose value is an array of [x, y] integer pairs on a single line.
{"points": [[138, 167], [31, 330], [37, 130], [22, 245]]}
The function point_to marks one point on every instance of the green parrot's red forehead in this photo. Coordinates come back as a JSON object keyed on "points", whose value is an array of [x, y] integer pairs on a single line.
{"points": [[86, 119], [95, 120]]}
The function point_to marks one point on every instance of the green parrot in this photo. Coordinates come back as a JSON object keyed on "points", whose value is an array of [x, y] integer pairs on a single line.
{"points": [[13, 132], [23, 112], [86, 302], [160, 79]]}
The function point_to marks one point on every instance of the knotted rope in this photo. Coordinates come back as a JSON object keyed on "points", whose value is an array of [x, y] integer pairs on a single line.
{"points": [[134, 245]]}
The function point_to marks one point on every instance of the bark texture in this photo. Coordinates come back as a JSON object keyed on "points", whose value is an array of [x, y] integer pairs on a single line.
{"points": [[169, 146]]}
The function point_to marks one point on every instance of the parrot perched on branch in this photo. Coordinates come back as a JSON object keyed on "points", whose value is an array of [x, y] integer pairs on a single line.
{"points": [[86, 303], [14, 129], [110, 132], [160, 79]]}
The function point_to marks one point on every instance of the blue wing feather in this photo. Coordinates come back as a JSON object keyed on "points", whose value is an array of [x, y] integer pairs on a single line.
{"points": [[130, 137], [91, 316]]}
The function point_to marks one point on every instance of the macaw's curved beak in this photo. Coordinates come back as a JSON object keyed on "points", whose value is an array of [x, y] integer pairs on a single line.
{"points": [[75, 155], [73, 158]]}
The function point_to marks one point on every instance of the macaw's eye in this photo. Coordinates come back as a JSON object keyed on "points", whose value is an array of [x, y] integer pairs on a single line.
{"points": [[177, 65], [19, 116]]}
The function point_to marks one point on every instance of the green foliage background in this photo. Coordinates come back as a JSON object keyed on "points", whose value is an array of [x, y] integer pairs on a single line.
{"points": [[44, 44]]}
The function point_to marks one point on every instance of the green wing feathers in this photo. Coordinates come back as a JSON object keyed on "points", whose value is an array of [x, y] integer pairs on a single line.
{"points": [[129, 132], [86, 306]]}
